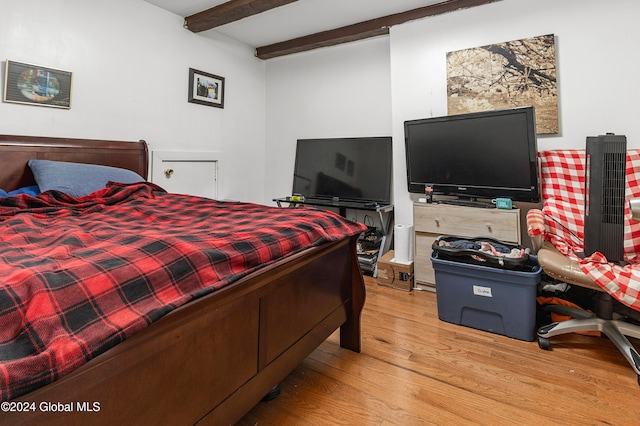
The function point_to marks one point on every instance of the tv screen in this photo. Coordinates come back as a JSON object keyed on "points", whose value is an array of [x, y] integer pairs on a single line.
{"points": [[487, 154], [344, 169]]}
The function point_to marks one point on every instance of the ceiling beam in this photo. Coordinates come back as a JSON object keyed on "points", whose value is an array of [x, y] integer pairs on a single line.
{"points": [[230, 11], [362, 30]]}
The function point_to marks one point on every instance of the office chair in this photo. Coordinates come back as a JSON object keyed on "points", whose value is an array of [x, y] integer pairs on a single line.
{"points": [[557, 235], [608, 314]]}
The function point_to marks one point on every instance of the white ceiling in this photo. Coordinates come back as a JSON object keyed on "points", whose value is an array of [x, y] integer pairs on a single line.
{"points": [[295, 19]]}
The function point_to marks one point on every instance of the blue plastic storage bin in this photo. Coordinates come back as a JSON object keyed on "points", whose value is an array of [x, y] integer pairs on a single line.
{"points": [[497, 300]]}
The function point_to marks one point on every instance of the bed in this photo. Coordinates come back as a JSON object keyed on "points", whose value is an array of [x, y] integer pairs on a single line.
{"points": [[211, 359]]}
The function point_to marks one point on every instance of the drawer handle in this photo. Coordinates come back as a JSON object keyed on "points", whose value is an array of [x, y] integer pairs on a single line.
{"points": [[489, 227], [437, 222]]}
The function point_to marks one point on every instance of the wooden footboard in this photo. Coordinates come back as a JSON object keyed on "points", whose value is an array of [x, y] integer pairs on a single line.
{"points": [[213, 359]]}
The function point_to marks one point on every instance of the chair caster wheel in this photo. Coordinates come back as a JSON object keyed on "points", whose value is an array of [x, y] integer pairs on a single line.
{"points": [[544, 343]]}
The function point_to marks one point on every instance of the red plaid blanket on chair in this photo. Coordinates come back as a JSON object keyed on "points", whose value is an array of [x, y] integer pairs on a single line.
{"points": [[563, 174]]}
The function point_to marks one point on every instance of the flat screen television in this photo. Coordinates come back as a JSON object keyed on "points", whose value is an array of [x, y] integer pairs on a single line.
{"points": [[489, 154], [344, 169]]}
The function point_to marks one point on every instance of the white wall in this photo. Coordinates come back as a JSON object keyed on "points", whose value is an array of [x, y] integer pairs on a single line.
{"points": [[130, 63], [596, 48], [341, 91]]}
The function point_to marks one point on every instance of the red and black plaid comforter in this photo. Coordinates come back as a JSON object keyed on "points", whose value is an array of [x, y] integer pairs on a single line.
{"points": [[78, 276]]}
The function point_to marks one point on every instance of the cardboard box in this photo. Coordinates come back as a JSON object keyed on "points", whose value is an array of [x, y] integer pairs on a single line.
{"points": [[497, 300], [395, 274]]}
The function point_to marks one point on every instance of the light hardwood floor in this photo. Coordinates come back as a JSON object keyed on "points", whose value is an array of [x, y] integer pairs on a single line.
{"points": [[417, 370]]}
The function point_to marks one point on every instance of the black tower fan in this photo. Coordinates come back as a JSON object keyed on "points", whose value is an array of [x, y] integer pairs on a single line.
{"points": [[604, 196]]}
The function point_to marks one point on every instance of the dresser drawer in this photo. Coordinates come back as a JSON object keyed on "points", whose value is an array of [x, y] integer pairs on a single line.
{"points": [[433, 220], [442, 219]]}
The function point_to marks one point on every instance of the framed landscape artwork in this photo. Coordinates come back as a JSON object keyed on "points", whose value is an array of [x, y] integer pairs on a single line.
{"points": [[506, 75]]}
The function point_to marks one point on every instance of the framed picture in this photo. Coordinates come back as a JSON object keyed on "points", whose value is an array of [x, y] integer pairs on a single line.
{"points": [[506, 75], [206, 89], [36, 85]]}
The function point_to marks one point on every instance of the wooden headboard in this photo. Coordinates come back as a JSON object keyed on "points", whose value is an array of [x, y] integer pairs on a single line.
{"points": [[16, 151]]}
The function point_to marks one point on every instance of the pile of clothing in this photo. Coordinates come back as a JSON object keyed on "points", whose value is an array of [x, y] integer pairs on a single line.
{"points": [[484, 251]]}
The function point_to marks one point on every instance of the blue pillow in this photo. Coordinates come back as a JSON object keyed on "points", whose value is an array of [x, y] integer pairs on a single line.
{"points": [[77, 179], [32, 190]]}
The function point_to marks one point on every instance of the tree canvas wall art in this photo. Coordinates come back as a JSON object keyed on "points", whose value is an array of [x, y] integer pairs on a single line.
{"points": [[506, 75]]}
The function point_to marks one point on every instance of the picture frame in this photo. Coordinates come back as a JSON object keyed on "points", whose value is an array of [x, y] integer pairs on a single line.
{"points": [[36, 85], [506, 75], [206, 89]]}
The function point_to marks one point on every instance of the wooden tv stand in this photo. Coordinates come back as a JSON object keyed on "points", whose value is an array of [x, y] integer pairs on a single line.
{"points": [[433, 220]]}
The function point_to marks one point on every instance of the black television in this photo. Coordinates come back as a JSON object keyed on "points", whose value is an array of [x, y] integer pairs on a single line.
{"points": [[355, 170], [482, 155]]}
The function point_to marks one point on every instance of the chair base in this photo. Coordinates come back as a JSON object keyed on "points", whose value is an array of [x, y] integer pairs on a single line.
{"points": [[615, 330]]}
